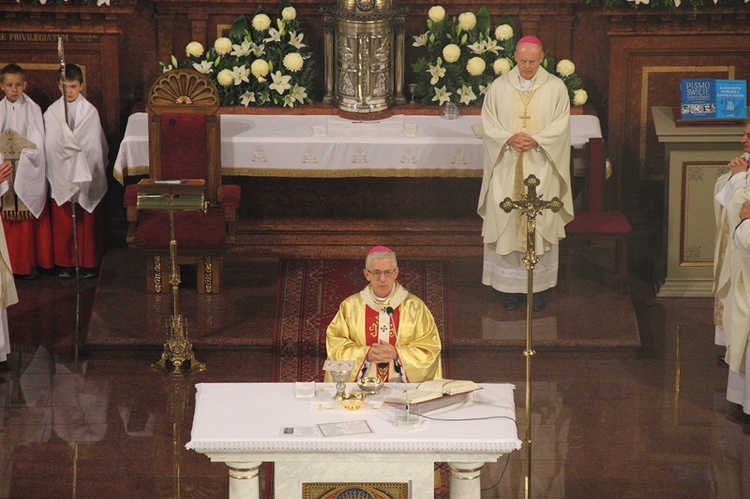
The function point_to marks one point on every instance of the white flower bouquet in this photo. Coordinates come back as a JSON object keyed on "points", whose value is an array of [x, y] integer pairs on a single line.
{"points": [[464, 55], [261, 63]]}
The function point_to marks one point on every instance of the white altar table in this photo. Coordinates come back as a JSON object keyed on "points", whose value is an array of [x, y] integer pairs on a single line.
{"points": [[293, 146], [246, 424]]}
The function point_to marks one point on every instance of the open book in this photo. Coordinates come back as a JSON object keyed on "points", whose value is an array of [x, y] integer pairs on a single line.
{"points": [[431, 390]]}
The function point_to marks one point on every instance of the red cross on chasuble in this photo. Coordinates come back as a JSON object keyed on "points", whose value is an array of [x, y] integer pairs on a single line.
{"points": [[373, 334]]}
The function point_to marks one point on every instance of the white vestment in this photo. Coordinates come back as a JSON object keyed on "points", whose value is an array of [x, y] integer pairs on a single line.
{"points": [[8, 295], [736, 317], [77, 157], [546, 113], [25, 117], [724, 190]]}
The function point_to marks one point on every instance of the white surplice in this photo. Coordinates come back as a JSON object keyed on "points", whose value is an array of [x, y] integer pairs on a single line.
{"points": [[77, 157], [25, 117]]}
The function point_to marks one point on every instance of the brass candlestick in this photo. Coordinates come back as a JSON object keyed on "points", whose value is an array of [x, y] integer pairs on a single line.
{"points": [[530, 205]]}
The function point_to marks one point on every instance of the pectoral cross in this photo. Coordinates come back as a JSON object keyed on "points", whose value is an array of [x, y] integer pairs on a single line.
{"points": [[526, 99], [525, 116]]}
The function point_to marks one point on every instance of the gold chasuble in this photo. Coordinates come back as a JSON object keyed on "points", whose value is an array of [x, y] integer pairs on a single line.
{"points": [[363, 320]]}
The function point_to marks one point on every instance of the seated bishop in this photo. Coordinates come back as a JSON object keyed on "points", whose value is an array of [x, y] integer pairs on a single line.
{"points": [[388, 332]]}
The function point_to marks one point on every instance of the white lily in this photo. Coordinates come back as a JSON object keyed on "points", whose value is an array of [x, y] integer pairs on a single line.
{"points": [[295, 40], [204, 67], [280, 82], [437, 72], [467, 95], [421, 40], [242, 50], [247, 98], [240, 74], [257, 50], [442, 95], [299, 93], [276, 34]]}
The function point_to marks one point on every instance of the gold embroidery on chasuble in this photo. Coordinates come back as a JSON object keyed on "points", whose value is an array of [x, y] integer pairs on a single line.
{"points": [[408, 157], [259, 156], [12, 145], [524, 120], [372, 329], [309, 158], [360, 157]]}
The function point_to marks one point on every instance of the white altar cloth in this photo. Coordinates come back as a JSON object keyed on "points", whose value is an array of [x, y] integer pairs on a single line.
{"points": [[242, 424], [292, 146]]}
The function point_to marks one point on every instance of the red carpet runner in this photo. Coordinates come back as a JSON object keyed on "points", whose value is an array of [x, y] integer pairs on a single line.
{"points": [[309, 295]]}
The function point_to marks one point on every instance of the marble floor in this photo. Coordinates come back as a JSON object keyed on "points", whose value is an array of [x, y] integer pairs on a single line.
{"points": [[609, 420]]}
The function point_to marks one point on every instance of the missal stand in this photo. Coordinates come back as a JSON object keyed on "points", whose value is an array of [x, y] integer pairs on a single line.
{"points": [[530, 205], [172, 196]]}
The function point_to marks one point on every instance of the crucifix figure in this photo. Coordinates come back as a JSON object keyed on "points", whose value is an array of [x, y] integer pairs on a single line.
{"points": [[531, 205]]}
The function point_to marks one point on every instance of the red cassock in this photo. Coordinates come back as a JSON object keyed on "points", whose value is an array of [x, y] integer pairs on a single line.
{"points": [[30, 242], [90, 231]]}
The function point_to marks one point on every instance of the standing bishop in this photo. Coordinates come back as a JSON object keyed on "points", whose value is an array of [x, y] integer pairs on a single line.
{"points": [[526, 125]]}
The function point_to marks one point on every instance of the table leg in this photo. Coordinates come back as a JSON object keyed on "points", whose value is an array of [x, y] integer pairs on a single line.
{"points": [[243, 480], [465, 481]]}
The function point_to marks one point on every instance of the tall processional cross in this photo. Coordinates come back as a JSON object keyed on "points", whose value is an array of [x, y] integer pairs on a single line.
{"points": [[531, 205]]}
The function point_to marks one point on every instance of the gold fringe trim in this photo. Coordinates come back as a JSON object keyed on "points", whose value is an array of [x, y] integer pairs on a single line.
{"points": [[17, 216]]}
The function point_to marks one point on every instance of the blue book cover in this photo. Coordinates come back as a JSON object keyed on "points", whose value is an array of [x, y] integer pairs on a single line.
{"points": [[698, 98], [731, 99]]}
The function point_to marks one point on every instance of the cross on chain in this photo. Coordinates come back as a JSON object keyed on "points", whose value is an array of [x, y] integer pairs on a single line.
{"points": [[525, 116]]}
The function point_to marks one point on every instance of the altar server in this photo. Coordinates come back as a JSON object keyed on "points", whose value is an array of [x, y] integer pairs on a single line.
{"points": [[25, 211], [388, 332], [76, 166]]}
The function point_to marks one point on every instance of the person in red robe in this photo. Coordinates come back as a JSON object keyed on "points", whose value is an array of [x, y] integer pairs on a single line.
{"points": [[25, 211], [76, 169]]}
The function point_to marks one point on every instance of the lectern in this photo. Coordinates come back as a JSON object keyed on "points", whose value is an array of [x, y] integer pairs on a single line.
{"points": [[172, 196]]}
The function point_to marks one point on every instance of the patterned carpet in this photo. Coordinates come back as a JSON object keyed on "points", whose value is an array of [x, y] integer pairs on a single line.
{"points": [[309, 295]]}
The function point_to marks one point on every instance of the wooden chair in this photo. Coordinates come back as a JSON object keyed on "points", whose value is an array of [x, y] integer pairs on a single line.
{"points": [[593, 224], [184, 137]]}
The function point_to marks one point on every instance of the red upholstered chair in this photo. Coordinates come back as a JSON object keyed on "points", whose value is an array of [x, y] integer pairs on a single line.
{"points": [[592, 223], [184, 136]]}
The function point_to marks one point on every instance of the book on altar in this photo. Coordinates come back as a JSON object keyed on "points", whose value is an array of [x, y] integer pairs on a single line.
{"points": [[432, 390], [712, 99]]}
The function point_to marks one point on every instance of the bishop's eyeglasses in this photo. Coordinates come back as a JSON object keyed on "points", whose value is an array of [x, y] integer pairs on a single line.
{"points": [[378, 273]]}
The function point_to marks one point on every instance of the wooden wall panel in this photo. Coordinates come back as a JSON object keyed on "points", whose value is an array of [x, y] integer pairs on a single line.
{"points": [[644, 74]]}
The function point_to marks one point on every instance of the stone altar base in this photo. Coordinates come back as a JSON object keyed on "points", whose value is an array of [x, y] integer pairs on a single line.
{"points": [[125, 317]]}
